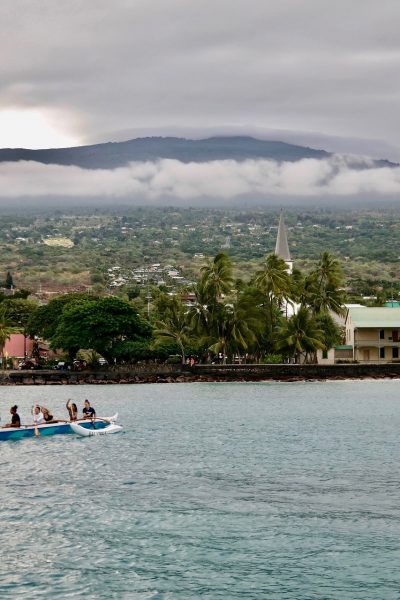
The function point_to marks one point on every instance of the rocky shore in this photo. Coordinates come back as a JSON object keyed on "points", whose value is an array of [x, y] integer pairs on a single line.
{"points": [[203, 373]]}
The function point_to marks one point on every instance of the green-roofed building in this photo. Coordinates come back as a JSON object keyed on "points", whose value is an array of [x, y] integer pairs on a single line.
{"points": [[374, 333]]}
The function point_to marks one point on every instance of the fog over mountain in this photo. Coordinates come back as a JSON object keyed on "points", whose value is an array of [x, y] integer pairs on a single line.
{"points": [[210, 171], [118, 154]]}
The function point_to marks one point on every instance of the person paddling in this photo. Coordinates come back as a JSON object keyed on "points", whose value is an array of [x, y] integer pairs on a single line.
{"points": [[15, 420], [88, 411]]}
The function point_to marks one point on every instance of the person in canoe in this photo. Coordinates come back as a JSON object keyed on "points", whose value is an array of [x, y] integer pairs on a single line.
{"points": [[47, 416], [72, 410], [88, 411], [15, 420], [37, 414]]}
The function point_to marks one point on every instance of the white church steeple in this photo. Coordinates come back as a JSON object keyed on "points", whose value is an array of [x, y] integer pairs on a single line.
{"points": [[282, 246]]}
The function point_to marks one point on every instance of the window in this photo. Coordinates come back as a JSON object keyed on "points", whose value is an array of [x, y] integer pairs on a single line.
{"points": [[395, 336], [382, 334], [395, 353], [325, 353], [381, 352]]}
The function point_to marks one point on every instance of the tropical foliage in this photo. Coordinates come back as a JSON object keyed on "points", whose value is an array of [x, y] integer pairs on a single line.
{"points": [[274, 314]]}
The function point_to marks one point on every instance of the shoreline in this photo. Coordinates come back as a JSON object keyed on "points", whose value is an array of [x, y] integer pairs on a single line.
{"points": [[203, 373]]}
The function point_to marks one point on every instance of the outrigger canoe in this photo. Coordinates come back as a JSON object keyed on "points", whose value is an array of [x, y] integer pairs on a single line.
{"points": [[61, 427]]}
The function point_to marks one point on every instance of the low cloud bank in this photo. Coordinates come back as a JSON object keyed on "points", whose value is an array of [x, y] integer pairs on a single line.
{"points": [[336, 176]]}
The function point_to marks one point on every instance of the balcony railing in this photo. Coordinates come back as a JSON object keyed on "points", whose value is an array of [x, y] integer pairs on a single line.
{"points": [[374, 343]]}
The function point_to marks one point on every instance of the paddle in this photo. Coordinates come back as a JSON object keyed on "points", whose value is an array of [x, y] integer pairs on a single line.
{"points": [[37, 432], [108, 419]]}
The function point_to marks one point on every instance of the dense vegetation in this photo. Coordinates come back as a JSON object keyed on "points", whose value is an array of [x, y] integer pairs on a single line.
{"points": [[224, 318], [73, 251], [148, 267]]}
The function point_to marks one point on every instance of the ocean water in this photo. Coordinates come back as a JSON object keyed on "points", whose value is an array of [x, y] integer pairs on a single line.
{"points": [[231, 490]]}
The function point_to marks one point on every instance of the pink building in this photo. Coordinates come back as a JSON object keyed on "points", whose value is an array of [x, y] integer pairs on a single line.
{"points": [[18, 346]]}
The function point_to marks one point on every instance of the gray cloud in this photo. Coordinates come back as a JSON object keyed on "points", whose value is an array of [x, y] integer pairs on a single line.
{"points": [[287, 65], [220, 180]]}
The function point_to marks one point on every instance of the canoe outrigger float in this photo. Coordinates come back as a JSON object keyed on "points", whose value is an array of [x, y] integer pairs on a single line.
{"points": [[88, 427], [86, 432]]}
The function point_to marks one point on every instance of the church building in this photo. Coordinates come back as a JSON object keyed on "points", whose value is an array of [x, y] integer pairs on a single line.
{"points": [[282, 246]]}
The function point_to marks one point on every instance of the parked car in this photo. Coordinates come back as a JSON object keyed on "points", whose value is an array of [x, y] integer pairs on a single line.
{"points": [[63, 366], [79, 365], [27, 365], [102, 362]]}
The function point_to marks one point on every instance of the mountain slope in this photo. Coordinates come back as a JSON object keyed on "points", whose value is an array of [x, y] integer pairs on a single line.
{"points": [[111, 155], [118, 154]]}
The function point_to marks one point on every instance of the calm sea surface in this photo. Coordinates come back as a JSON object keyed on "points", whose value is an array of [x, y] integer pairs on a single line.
{"points": [[269, 490]]}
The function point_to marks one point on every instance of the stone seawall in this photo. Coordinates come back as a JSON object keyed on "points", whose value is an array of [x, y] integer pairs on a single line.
{"points": [[184, 373]]}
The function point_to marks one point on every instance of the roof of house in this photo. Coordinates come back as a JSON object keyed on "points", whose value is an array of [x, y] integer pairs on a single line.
{"points": [[392, 304], [344, 347], [375, 317]]}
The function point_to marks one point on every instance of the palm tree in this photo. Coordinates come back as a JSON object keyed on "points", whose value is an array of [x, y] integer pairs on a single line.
{"points": [[300, 336], [217, 277], [297, 282], [247, 321], [199, 314], [329, 270], [236, 324], [274, 281], [321, 290], [207, 316], [322, 296], [333, 334], [174, 327]]}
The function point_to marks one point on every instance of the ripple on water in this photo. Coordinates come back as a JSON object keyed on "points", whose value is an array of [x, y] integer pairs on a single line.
{"points": [[212, 491]]}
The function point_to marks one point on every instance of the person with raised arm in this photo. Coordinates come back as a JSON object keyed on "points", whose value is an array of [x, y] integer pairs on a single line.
{"points": [[72, 410], [37, 414]]}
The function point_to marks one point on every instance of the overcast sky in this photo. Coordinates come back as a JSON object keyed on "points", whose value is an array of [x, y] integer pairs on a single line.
{"points": [[322, 71]]}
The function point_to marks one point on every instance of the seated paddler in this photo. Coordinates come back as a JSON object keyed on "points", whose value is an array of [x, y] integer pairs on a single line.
{"points": [[47, 416], [15, 420], [88, 411]]}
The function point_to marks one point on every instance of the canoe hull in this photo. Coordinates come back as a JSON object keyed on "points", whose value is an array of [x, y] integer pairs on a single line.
{"points": [[14, 433], [85, 432]]}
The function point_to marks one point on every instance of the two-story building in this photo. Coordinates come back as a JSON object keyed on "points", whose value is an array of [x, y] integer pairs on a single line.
{"points": [[373, 333]]}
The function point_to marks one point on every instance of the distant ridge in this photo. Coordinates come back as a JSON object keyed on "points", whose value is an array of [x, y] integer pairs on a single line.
{"points": [[117, 154]]}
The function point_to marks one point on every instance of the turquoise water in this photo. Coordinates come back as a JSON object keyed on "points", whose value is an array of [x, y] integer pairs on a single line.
{"points": [[270, 490]]}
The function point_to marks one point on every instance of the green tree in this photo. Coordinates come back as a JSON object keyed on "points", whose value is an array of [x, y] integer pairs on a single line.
{"points": [[322, 291], [333, 334], [19, 311], [273, 280], [45, 319], [217, 277], [6, 328], [300, 336], [100, 324], [174, 325], [236, 324], [9, 281]]}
